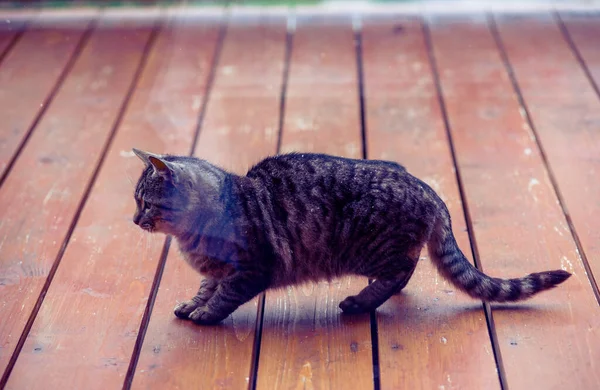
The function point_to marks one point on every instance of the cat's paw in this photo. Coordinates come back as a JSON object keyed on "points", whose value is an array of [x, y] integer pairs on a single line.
{"points": [[204, 316], [351, 305], [184, 309]]}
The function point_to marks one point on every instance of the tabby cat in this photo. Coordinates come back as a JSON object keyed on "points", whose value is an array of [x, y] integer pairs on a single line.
{"points": [[306, 217]]}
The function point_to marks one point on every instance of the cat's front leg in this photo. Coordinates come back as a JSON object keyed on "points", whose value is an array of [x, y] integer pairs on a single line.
{"points": [[231, 292], [205, 292]]}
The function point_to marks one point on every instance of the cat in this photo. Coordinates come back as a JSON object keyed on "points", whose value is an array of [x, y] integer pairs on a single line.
{"points": [[304, 217]]}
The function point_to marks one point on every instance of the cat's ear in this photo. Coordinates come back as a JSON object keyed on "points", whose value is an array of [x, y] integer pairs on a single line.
{"points": [[142, 155], [160, 166]]}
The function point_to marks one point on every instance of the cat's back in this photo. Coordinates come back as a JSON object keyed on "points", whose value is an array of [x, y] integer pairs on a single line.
{"points": [[312, 166], [304, 182]]}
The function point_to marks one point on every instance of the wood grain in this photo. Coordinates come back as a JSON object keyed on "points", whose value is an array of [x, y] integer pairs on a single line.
{"points": [[570, 121], [28, 76], [68, 342], [240, 128], [306, 342], [430, 336], [551, 341]]}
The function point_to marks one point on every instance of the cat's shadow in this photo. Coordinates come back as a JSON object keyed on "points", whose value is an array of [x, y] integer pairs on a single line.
{"points": [[406, 310], [410, 308]]}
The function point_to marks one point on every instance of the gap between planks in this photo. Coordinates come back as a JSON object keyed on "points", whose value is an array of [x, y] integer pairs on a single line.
{"points": [[465, 206], [517, 89], [166, 246], [50, 98], [13, 42], [289, 44], [81, 205], [363, 126], [576, 52]]}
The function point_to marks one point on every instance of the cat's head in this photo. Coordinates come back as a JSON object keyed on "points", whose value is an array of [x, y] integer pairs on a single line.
{"points": [[171, 190]]}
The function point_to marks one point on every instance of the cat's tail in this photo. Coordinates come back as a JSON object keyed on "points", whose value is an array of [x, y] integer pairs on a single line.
{"points": [[453, 264]]}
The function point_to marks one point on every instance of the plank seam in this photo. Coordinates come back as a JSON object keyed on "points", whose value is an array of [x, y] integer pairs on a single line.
{"points": [[255, 356], [569, 39], [544, 156], [86, 194], [50, 97], [363, 131], [209, 85], [361, 89], [128, 382], [289, 42], [15, 39], [139, 341], [467, 215]]}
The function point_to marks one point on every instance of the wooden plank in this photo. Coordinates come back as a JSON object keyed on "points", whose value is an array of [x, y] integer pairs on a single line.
{"points": [[584, 31], [28, 77], [40, 198], [9, 33], [12, 29], [426, 337], [306, 342], [568, 124], [6, 40], [240, 128], [551, 341]]}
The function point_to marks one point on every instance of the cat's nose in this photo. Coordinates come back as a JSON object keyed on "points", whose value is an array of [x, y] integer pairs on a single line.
{"points": [[136, 218]]}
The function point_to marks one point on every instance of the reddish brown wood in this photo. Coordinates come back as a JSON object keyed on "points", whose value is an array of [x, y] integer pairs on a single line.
{"points": [[39, 200], [584, 32], [306, 342], [240, 128], [6, 39], [572, 142], [430, 336], [28, 75], [9, 33], [551, 341]]}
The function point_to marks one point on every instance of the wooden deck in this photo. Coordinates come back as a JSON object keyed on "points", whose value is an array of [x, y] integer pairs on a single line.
{"points": [[500, 114]]}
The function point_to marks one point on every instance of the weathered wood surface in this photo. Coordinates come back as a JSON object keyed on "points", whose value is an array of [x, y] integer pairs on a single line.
{"points": [[306, 341], [430, 336], [28, 75], [518, 224], [584, 32], [239, 128], [9, 34], [100, 287], [92, 319], [567, 116]]}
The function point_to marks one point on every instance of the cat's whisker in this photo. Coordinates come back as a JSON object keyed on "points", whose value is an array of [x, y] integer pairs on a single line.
{"points": [[138, 244], [128, 176]]}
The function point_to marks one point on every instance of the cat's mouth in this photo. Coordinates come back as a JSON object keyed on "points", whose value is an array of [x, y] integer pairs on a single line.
{"points": [[147, 227]]}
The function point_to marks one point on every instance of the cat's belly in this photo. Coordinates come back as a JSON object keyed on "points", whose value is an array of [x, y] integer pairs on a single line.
{"points": [[215, 269]]}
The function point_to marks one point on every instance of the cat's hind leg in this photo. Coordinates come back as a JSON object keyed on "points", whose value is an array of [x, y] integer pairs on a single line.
{"points": [[379, 291], [205, 292], [405, 280], [371, 297]]}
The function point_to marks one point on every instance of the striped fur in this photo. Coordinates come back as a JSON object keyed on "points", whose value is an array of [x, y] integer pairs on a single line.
{"points": [[306, 217], [453, 264]]}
